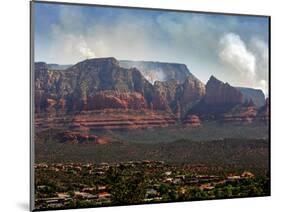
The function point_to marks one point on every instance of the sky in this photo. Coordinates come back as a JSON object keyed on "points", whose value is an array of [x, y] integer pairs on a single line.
{"points": [[232, 48]]}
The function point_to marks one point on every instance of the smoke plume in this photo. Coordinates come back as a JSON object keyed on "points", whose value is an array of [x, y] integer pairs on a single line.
{"points": [[250, 62]]}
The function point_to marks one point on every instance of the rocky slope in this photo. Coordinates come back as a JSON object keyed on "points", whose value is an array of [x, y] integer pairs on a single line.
{"points": [[228, 104], [219, 93], [192, 121], [245, 113], [102, 94], [92, 84], [189, 93], [117, 100], [164, 94], [256, 95], [158, 71], [106, 119], [74, 89], [219, 98], [263, 112], [248, 112], [54, 66], [177, 97]]}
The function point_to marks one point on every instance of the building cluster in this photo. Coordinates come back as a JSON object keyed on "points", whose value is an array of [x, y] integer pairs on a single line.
{"points": [[156, 173]]}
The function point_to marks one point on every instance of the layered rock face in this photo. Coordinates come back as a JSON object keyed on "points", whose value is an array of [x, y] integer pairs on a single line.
{"points": [[164, 94], [190, 92], [219, 99], [120, 119], [229, 105], [192, 121], [48, 92], [177, 97], [242, 114], [98, 83], [248, 112], [263, 113], [117, 100], [109, 119], [158, 71], [219, 93], [101, 94], [74, 89]]}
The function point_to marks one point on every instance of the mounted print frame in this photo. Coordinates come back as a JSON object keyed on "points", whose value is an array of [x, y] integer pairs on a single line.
{"points": [[141, 106]]}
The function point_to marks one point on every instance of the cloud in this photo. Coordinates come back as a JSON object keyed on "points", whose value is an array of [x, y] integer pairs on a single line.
{"points": [[201, 41], [249, 62]]}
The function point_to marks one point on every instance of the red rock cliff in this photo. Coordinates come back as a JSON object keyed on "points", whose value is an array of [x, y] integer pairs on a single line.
{"points": [[219, 93]]}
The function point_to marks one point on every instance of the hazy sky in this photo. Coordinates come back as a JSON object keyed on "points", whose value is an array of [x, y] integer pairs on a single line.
{"points": [[232, 48]]}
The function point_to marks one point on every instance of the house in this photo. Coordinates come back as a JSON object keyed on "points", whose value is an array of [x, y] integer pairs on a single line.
{"points": [[168, 173], [63, 195], [168, 180], [151, 193], [233, 177], [101, 188], [104, 195], [177, 180], [89, 189], [84, 195], [207, 186], [247, 174]]}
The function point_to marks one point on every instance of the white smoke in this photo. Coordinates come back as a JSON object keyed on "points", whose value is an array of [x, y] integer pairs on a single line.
{"points": [[85, 50], [260, 50], [249, 62], [234, 52], [72, 47], [263, 85], [154, 75]]}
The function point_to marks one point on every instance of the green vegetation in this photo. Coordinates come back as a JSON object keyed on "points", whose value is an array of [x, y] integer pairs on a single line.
{"points": [[238, 154], [77, 185], [160, 165], [125, 187]]}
